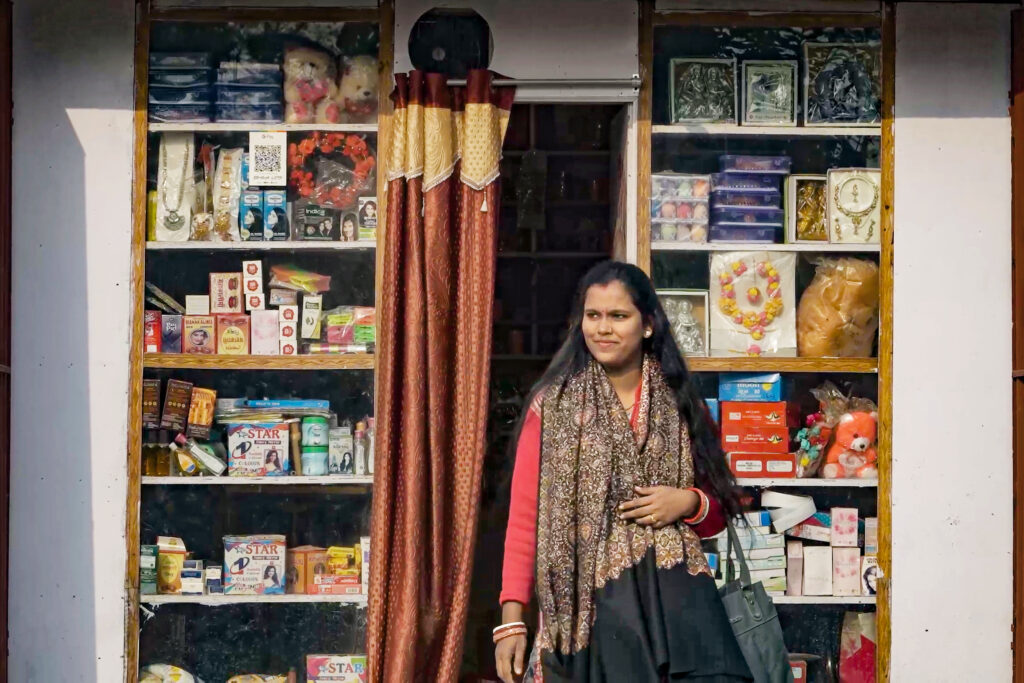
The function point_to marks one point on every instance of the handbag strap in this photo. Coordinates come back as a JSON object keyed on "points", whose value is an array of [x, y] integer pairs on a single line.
{"points": [[734, 540]]}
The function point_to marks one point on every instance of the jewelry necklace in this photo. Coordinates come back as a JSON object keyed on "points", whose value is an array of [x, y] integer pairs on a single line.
{"points": [[173, 220]]}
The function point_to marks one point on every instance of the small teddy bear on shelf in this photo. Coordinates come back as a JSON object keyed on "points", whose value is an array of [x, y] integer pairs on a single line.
{"points": [[309, 85], [356, 99], [852, 454]]}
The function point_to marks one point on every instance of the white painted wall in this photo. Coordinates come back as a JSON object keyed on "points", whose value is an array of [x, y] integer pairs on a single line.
{"points": [[952, 489], [72, 217]]}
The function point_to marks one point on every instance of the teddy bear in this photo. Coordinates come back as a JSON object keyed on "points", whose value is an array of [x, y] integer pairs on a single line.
{"points": [[852, 454], [309, 85], [838, 312], [357, 90]]}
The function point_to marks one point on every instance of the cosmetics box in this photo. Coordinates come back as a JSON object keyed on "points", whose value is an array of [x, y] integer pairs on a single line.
{"points": [[677, 230], [302, 563], [200, 413], [794, 568], [870, 535], [844, 527], [318, 223], [255, 302], [817, 570], [335, 669], [287, 348], [252, 271], [283, 297], [745, 163], [713, 409], [258, 449], [170, 333], [869, 573], [225, 293], [750, 197], [287, 332], [760, 553], [762, 465], [289, 314], [364, 555], [197, 304], [817, 527], [153, 336], [750, 387], [147, 569], [150, 404], [199, 334], [368, 218], [192, 577], [254, 565], [176, 405], [846, 574], [758, 574], [275, 212], [312, 307], [744, 181], [755, 542], [264, 332], [767, 563], [340, 449], [737, 438], [250, 215], [758, 414], [761, 518], [233, 335], [214, 580]]}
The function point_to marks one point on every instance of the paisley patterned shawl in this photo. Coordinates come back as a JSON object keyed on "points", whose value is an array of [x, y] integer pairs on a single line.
{"points": [[591, 459]]}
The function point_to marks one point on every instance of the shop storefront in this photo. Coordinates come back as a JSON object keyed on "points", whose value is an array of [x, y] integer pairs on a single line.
{"points": [[221, 254]]}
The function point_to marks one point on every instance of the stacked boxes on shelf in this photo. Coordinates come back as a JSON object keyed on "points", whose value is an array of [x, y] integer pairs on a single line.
{"points": [[755, 424], [765, 553], [249, 92], [679, 207], [179, 87], [746, 201], [825, 556]]}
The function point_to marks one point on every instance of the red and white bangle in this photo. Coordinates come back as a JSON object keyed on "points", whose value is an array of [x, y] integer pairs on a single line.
{"points": [[515, 628], [702, 511]]}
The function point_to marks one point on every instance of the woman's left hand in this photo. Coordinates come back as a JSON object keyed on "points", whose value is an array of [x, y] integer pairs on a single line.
{"points": [[660, 506]]}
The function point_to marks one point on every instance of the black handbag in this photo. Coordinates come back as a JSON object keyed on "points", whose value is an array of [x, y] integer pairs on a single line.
{"points": [[754, 620]]}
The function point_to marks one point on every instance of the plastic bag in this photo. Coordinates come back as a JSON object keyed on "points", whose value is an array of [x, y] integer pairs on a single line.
{"points": [[838, 312], [299, 280], [202, 217], [349, 325], [337, 186], [816, 434]]}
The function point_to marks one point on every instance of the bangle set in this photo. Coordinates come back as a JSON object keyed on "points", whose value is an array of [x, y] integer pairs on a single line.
{"points": [[515, 628], [702, 511]]}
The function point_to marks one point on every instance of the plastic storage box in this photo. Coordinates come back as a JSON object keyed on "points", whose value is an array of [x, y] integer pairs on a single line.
{"points": [[685, 209], [179, 60], [190, 95], [232, 113], [180, 78], [680, 185], [741, 163], [738, 198], [758, 235], [179, 113], [748, 215], [249, 73], [249, 94], [671, 230], [744, 181]]}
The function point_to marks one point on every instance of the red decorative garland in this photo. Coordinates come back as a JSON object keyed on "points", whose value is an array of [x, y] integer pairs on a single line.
{"points": [[351, 146]]}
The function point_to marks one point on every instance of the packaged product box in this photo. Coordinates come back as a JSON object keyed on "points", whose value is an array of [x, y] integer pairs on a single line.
{"points": [[799, 669], [714, 409], [192, 577], [214, 580], [283, 297], [233, 335], [199, 334], [302, 563], [253, 271], [312, 307], [288, 314], [251, 215], [759, 518], [367, 218], [846, 576], [737, 438], [150, 404], [817, 527], [225, 293], [844, 527], [264, 333], [365, 330], [258, 449], [251, 285], [200, 413], [197, 304], [254, 565], [817, 570], [364, 549], [340, 450], [256, 302], [287, 348], [750, 387], [288, 332], [794, 568], [335, 669], [275, 211], [176, 404], [871, 535], [317, 223], [170, 561], [757, 414], [763, 465], [342, 575], [153, 336], [170, 333], [869, 575], [147, 569], [754, 541]]}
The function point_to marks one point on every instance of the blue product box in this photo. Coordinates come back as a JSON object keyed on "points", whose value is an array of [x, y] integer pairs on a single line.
{"points": [[750, 387], [275, 213], [251, 216], [289, 404], [713, 408], [758, 518]]}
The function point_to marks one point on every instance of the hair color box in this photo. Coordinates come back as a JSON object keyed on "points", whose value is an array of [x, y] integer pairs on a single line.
{"points": [[302, 563], [817, 570], [335, 669], [147, 569], [258, 449], [846, 573], [251, 216], [275, 216], [254, 565], [869, 573]]}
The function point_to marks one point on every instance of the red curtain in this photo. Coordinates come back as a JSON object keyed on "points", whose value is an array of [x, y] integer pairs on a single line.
{"points": [[432, 385]]}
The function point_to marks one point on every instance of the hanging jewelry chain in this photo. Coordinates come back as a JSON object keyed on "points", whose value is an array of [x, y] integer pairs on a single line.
{"points": [[173, 220]]}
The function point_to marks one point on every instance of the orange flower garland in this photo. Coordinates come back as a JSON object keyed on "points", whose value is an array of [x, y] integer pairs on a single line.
{"points": [[351, 146]]}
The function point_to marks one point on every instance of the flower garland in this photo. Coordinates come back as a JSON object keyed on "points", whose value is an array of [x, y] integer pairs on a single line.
{"points": [[755, 323], [351, 146]]}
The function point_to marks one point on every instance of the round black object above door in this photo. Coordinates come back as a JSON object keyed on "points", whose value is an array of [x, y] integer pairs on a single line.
{"points": [[450, 41]]}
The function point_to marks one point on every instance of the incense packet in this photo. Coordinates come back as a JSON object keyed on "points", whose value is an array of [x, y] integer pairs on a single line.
{"points": [[150, 404], [176, 405], [200, 413]]}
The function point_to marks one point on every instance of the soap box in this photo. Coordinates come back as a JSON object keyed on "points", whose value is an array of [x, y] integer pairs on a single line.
{"points": [[757, 414], [197, 304], [171, 333], [335, 669], [258, 449], [736, 438], [254, 565], [147, 569], [750, 387], [758, 465], [199, 334]]}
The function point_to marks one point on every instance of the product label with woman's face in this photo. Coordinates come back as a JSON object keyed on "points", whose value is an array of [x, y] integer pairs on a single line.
{"points": [[612, 325]]}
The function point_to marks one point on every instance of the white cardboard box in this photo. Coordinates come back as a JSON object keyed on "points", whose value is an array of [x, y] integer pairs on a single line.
{"points": [[817, 570]]}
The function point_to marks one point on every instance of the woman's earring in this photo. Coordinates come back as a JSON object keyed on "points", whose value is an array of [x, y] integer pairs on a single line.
{"points": [[647, 333]]}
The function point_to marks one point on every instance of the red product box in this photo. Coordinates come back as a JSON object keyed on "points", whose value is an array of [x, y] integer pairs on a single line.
{"points": [[754, 439], [763, 465], [753, 414], [799, 670], [154, 332], [329, 584], [225, 293]]}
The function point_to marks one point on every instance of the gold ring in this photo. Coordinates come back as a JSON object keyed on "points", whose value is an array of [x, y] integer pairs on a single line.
{"points": [[654, 520]]}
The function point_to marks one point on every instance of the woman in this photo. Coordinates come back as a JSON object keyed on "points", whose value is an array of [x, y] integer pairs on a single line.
{"points": [[618, 475], [270, 579]]}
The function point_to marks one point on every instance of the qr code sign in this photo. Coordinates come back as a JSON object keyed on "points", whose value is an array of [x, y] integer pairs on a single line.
{"points": [[267, 159]]}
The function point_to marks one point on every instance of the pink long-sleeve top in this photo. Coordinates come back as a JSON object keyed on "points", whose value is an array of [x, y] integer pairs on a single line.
{"points": [[521, 535]]}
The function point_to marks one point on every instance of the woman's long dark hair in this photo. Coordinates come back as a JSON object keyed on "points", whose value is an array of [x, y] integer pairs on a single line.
{"points": [[711, 469]]}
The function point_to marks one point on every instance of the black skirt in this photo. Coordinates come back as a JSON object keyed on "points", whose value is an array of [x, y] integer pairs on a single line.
{"points": [[654, 625]]}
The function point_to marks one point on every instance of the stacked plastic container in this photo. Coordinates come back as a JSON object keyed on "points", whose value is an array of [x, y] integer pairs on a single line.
{"points": [[746, 199], [679, 207], [249, 92], [180, 89]]}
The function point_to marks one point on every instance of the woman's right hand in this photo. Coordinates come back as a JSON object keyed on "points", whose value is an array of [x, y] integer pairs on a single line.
{"points": [[509, 656]]}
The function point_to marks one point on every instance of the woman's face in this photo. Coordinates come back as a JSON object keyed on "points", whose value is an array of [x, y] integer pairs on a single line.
{"points": [[612, 326]]}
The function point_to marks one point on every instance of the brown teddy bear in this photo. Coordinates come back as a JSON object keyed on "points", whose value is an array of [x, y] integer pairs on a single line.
{"points": [[309, 85], [838, 312]]}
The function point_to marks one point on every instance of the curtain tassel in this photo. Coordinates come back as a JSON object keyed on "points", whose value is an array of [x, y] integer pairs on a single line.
{"points": [[483, 206]]}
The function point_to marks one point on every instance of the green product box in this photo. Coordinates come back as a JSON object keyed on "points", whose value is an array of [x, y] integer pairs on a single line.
{"points": [[147, 570]]}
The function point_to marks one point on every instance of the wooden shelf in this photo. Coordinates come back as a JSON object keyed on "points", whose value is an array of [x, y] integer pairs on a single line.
{"points": [[261, 246], [221, 600], [270, 127], [852, 365], [712, 129], [259, 481], [809, 483], [350, 361], [825, 600], [754, 246]]}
